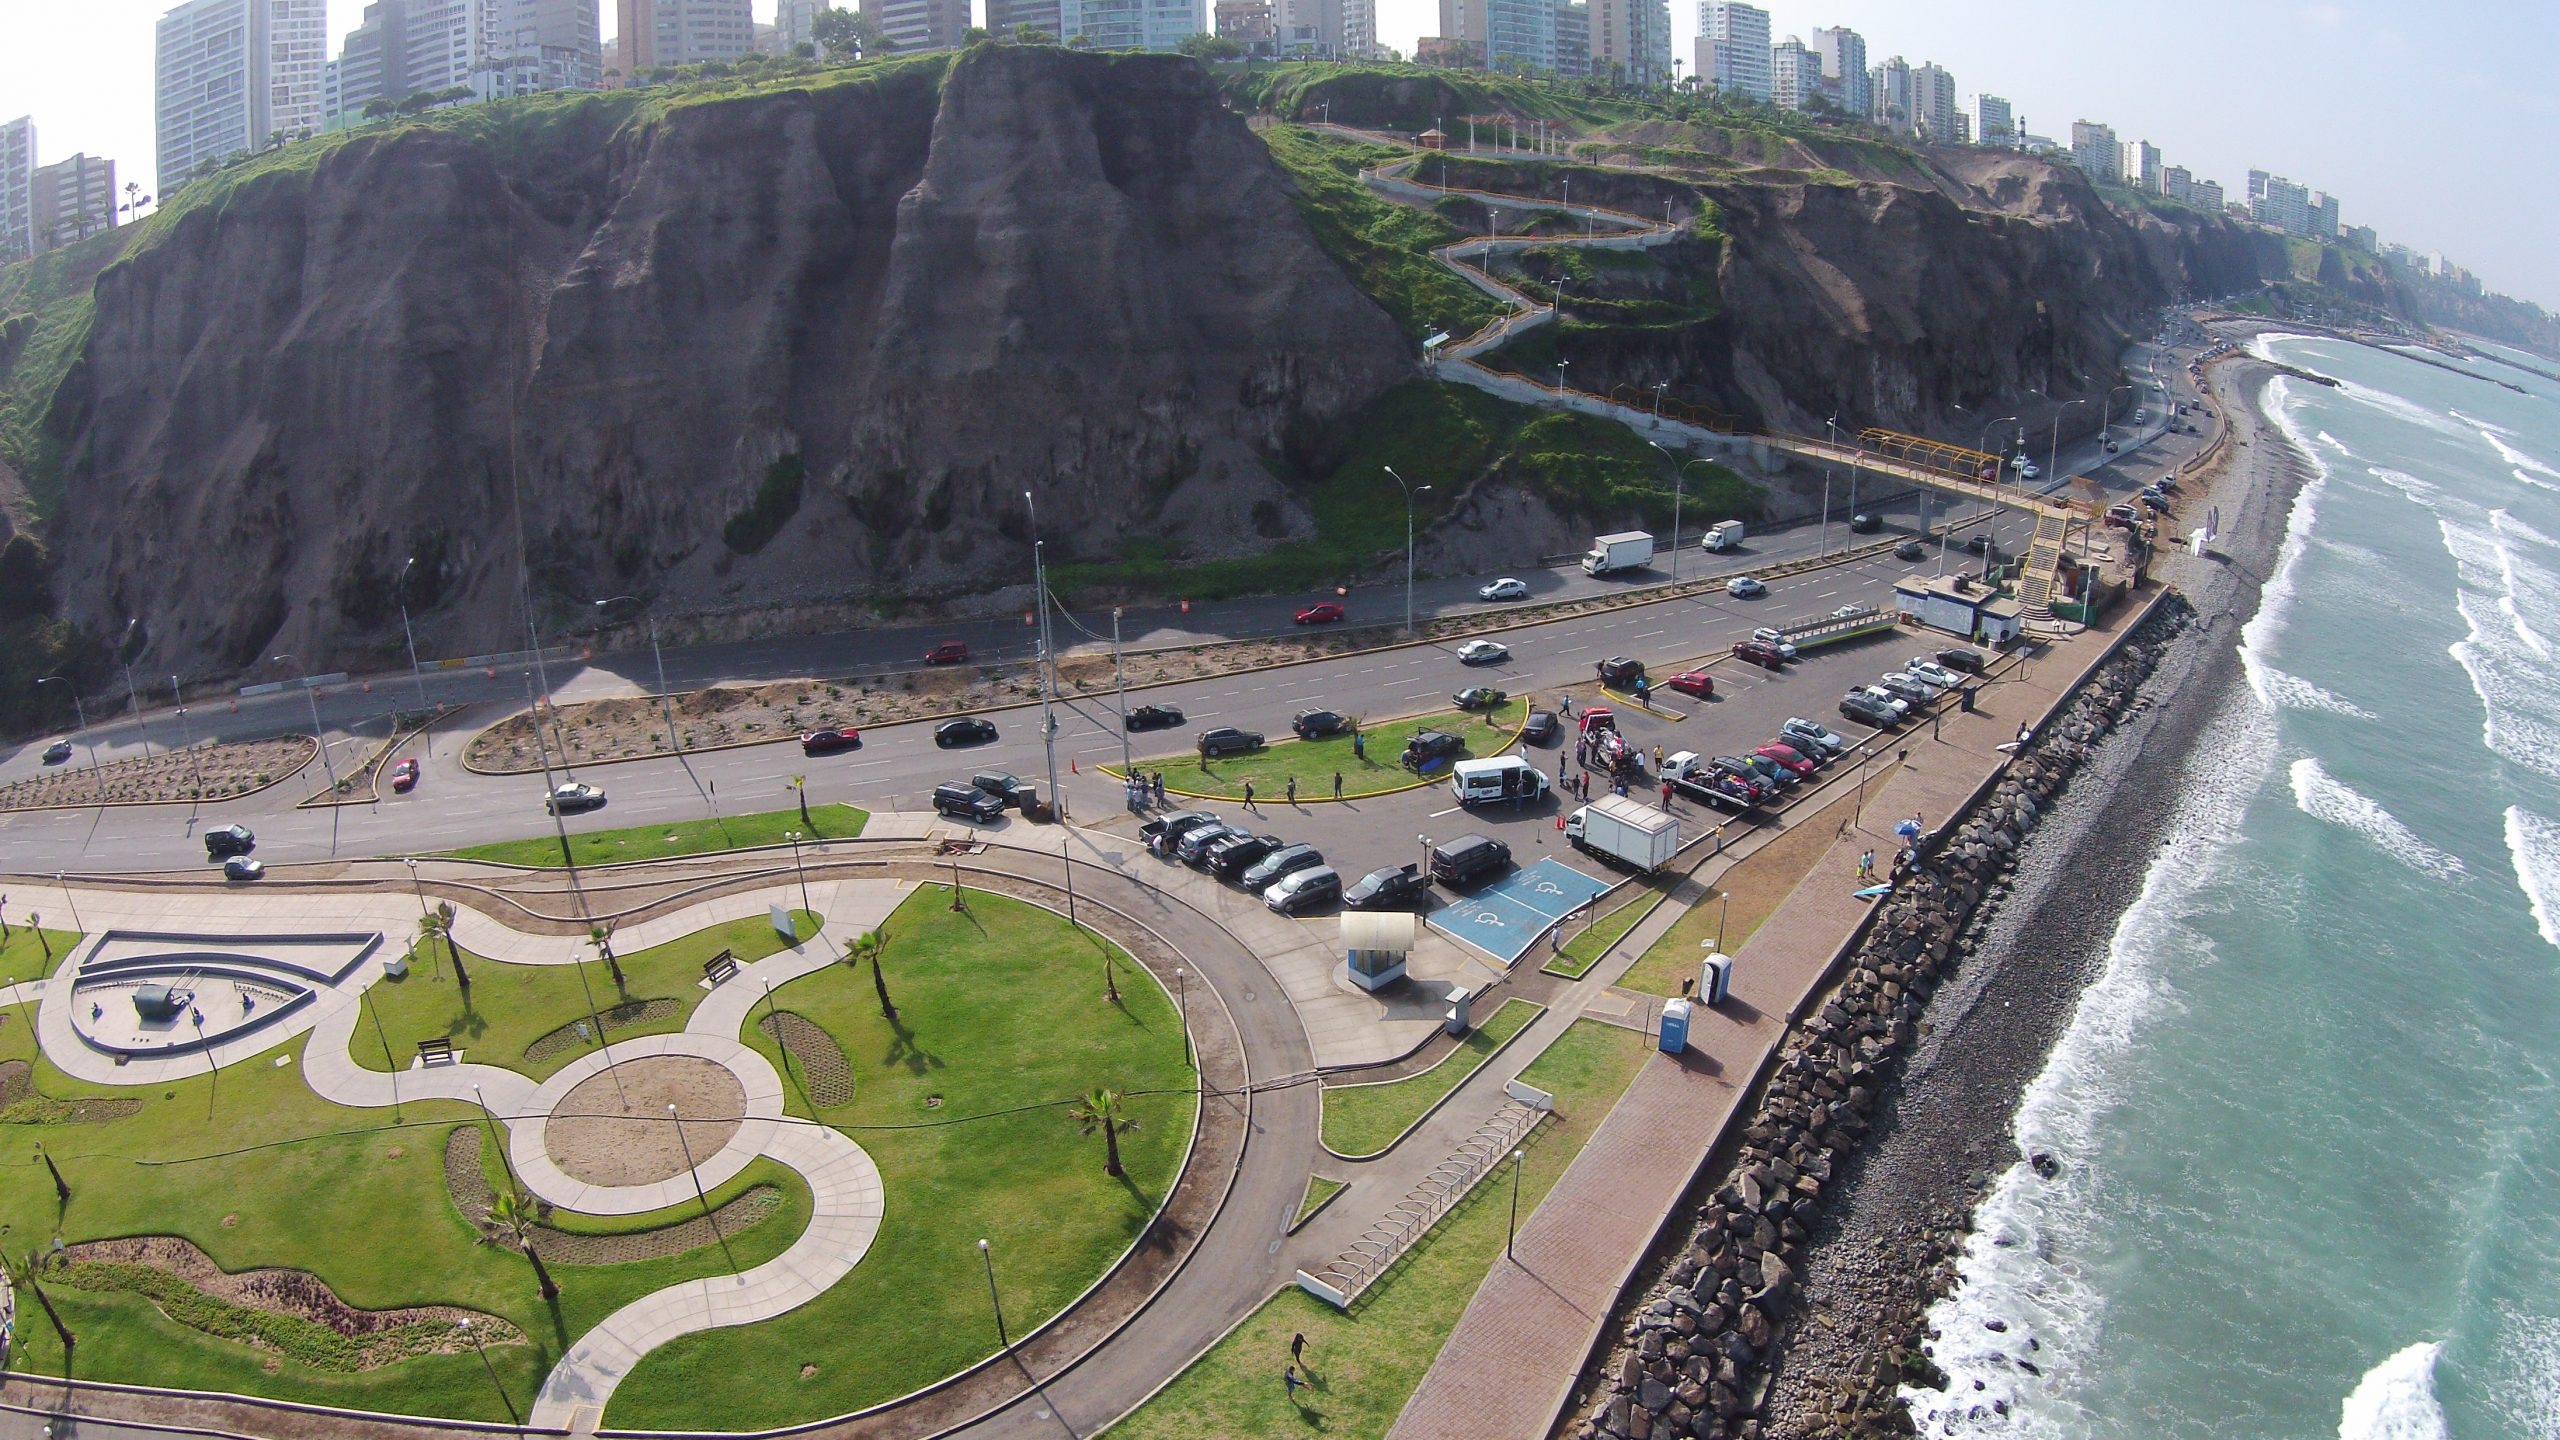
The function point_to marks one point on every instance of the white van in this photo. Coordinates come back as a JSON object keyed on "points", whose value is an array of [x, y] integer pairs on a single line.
{"points": [[1504, 777]]}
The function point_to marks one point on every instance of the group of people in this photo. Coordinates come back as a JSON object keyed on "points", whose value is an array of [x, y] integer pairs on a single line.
{"points": [[1144, 789]]}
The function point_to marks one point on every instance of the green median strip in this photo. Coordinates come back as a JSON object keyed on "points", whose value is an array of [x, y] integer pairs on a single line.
{"points": [[1362, 1120], [1584, 950], [1314, 763], [682, 837], [1320, 1192]]}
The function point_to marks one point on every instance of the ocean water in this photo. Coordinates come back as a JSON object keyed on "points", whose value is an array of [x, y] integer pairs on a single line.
{"points": [[2307, 1114]]}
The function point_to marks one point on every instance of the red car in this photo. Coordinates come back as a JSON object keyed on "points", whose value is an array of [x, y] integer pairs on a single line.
{"points": [[404, 776], [828, 742], [949, 652], [1785, 757], [1759, 652], [1694, 682], [1322, 613], [1597, 718]]}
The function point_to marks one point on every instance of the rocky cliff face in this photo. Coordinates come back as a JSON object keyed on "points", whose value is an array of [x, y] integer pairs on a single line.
{"points": [[771, 349]]}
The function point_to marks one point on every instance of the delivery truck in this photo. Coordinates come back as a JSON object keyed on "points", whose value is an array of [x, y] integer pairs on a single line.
{"points": [[1613, 553], [1722, 535], [1625, 832]]}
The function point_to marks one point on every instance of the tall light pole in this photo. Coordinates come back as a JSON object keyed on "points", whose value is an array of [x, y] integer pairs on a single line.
{"points": [[1679, 486], [311, 693], [2107, 409], [700, 1198], [1048, 657], [464, 1325], [794, 837], [132, 695], [2053, 449], [400, 594], [988, 1256], [178, 698], [1517, 1157], [83, 712], [1560, 364], [658, 659], [1409, 492], [1120, 683]]}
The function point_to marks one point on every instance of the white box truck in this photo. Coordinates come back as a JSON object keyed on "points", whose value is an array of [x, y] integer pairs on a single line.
{"points": [[1613, 553], [1722, 535], [1625, 831]]}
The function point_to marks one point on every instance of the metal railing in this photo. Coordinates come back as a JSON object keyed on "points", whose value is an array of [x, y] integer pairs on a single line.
{"points": [[1340, 1280]]}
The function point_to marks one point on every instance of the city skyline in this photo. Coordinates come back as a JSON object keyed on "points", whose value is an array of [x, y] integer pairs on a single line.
{"points": [[85, 75]]}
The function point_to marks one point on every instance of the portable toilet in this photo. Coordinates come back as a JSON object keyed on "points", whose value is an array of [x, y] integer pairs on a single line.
{"points": [[1675, 1027], [1459, 998], [1715, 978]]}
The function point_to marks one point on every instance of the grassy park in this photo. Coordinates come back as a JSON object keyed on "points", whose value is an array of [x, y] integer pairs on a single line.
{"points": [[31, 954], [1361, 1120], [682, 837], [1362, 1365], [1313, 763], [965, 1103]]}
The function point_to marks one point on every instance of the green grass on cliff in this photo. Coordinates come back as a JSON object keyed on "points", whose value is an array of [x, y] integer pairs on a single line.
{"points": [[1384, 247]]}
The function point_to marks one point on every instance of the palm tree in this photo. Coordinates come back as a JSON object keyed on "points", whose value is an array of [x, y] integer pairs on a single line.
{"points": [[872, 943], [35, 922], [601, 937], [22, 1274], [1101, 1111], [800, 787], [4, 919], [439, 923], [512, 1220]]}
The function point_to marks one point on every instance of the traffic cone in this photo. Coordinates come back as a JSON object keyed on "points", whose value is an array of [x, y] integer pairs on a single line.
{"points": [[1071, 766]]}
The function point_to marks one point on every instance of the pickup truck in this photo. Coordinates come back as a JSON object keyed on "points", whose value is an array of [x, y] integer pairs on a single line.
{"points": [[1691, 775]]}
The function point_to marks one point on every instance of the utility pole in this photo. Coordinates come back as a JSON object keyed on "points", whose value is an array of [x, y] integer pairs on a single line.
{"points": [[1048, 658], [400, 591], [1120, 682], [131, 694]]}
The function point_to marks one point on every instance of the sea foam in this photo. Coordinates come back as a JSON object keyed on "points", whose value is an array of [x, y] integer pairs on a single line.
{"points": [[2322, 797], [2533, 844], [2396, 1400]]}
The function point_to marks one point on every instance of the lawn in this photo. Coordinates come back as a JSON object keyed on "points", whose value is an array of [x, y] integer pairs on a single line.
{"points": [[1363, 1366], [512, 1006], [31, 954], [1361, 1120], [683, 837], [963, 1103], [1585, 949], [258, 1171], [1319, 1190], [1314, 763]]}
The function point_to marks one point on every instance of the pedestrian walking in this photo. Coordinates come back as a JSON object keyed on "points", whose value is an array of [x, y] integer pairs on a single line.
{"points": [[1290, 1382], [1337, 784], [1293, 790], [1298, 1347], [1248, 794], [1666, 797], [1565, 707], [1867, 865], [1359, 746]]}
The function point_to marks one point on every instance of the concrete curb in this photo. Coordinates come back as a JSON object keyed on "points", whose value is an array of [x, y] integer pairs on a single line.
{"points": [[1536, 1010]]}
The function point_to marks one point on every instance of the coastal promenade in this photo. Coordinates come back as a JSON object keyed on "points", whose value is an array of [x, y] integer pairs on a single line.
{"points": [[1510, 1366]]}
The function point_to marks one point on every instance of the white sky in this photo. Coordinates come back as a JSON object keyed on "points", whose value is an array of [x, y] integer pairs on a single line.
{"points": [[2405, 113]]}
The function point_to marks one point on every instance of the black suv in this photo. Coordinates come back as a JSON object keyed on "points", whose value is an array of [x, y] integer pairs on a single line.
{"points": [[1317, 724], [966, 802], [970, 731], [1619, 672], [1462, 862], [1866, 524], [228, 840], [1006, 786], [1227, 740], [1425, 746], [1400, 887], [1176, 825], [1236, 854]]}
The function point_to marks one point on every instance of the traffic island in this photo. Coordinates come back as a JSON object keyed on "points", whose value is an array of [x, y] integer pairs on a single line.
{"points": [[1367, 761]]}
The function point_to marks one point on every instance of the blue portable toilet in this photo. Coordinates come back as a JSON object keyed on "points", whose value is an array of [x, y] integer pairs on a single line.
{"points": [[1675, 1027]]}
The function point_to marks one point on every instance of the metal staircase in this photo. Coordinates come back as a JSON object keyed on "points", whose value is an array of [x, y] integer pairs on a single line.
{"points": [[2044, 560]]}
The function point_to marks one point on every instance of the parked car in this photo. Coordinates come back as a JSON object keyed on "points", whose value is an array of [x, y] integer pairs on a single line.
{"points": [[1505, 588], [828, 742], [1155, 717], [963, 801], [1317, 724], [1193, 848], [1858, 705], [574, 796], [1480, 697], [968, 730], [1174, 826], [404, 776], [1232, 855], [1788, 758], [1908, 687], [1398, 887], [1743, 587], [2159, 506], [1483, 652], [241, 867], [1266, 872], [1767, 769], [1776, 639], [1227, 740], [1618, 672], [1468, 860], [1759, 652], [1865, 524], [1887, 698], [1934, 673], [1968, 661], [1812, 739], [1426, 746], [228, 840], [2120, 517], [1694, 682], [2028, 471], [1539, 728], [1323, 612], [1756, 788], [1309, 889], [1910, 550], [949, 652], [1006, 786], [57, 752]]}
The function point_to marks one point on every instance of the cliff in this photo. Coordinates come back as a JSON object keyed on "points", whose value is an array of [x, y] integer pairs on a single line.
{"points": [[805, 344]]}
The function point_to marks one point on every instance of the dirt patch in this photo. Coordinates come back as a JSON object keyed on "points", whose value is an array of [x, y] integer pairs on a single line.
{"points": [[469, 1186], [612, 1128], [575, 1035], [16, 1078], [20, 1104], [209, 771]]}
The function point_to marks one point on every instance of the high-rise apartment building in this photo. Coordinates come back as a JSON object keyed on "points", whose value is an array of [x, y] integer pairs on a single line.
{"points": [[232, 73], [2279, 203], [1246, 21], [1360, 30], [1733, 48], [913, 25], [1934, 107], [1795, 74], [795, 22], [2208, 193], [2095, 151], [1631, 39], [1311, 27], [1844, 67], [1993, 123], [493, 47], [1004, 17], [1503, 32], [659, 34], [17, 189], [2361, 237], [2178, 184], [2324, 216], [1573, 39], [1104, 24], [529, 46], [1889, 95], [72, 200]]}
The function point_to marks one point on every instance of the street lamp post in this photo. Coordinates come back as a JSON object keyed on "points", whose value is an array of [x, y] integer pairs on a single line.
{"points": [[2107, 408], [2053, 448], [464, 1325], [311, 693], [1560, 377], [704, 1200], [1409, 492], [1182, 999], [988, 1256], [132, 695], [1120, 683], [417, 676], [794, 837], [177, 697], [1048, 656], [1517, 1156], [82, 711]]}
